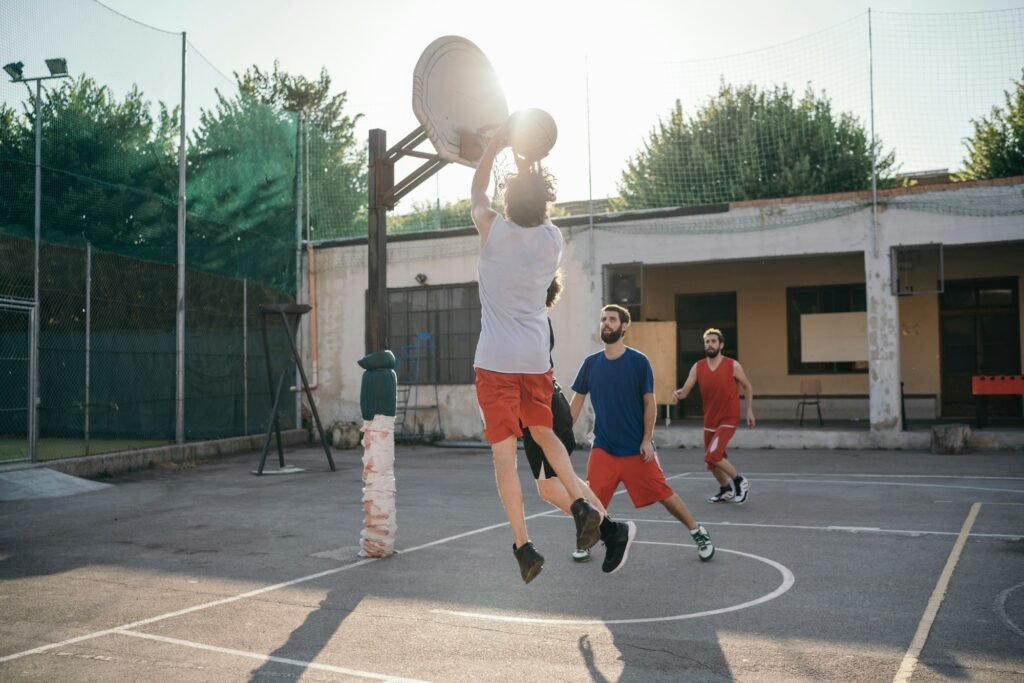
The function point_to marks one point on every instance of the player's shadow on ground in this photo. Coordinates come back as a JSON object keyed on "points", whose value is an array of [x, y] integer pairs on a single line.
{"points": [[307, 641]]}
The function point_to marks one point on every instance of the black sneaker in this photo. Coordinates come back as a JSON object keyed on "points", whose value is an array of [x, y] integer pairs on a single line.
{"points": [[530, 561], [588, 523], [724, 495], [617, 547]]}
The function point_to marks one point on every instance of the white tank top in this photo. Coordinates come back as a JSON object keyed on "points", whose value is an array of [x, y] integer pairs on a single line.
{"points": [[515, 268]]}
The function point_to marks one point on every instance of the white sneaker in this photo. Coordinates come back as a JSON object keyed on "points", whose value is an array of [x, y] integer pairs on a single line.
{"points": [[705, 548], [581, 555], [724, 495], [741, 496]]}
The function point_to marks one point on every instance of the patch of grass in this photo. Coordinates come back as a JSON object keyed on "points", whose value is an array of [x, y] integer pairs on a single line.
{"points": [[16, 448]]}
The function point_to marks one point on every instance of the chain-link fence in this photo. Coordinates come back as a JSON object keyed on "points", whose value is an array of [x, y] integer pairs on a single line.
{"points": [[90, 163]]}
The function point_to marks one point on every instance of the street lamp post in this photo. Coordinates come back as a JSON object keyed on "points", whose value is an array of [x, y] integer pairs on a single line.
{"points": [[58, 68]]}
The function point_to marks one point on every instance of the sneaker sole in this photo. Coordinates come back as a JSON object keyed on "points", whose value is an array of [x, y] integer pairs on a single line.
{"points": [[708, 558], [581, 560], [629, 542], [590, 532]]}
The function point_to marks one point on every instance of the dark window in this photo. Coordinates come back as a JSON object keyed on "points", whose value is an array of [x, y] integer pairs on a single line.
{"points": [[821, 299], [433, 332], [694, 314]]}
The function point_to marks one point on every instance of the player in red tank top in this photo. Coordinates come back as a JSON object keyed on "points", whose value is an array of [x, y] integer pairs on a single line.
{"points": [[719, 379]]}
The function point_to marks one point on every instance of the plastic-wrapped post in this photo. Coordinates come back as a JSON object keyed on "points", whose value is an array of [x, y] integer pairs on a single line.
{"points": [[377, 400]]}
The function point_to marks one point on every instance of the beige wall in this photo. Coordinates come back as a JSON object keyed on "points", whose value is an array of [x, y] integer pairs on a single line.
{"points": [[682, 257], [760, 288]]}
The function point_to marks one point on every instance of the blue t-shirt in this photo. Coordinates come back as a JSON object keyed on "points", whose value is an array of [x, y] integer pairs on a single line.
{"points": [[617, 389]]}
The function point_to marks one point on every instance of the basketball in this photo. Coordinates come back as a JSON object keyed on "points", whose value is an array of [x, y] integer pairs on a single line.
{"points": [[532, 133]]}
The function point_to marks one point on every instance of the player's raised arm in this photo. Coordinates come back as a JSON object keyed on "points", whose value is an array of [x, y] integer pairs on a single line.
{"points": [[748, 391], [684, 391], [483, 214]]}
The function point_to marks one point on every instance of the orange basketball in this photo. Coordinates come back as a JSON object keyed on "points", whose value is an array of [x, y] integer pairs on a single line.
{"points": [[532, 133]]}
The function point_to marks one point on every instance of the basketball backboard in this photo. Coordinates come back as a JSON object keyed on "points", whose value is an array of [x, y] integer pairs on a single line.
{"points": [[455, 93], [917, 269]]}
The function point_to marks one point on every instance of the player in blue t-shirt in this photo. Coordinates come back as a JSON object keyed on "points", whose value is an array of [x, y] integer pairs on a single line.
{"points": [[620, 383]]}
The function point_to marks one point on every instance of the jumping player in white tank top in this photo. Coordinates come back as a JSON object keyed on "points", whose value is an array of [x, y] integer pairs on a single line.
{"points": [[519, 255]]}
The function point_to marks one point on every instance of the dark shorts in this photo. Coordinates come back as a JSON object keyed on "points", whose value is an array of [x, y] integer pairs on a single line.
{"points": [[562, 426]]}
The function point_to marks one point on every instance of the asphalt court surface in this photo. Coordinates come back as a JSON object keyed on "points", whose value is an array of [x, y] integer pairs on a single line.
{"points": [[829, 572]]}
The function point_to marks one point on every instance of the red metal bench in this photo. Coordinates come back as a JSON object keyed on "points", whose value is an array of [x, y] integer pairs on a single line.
{"points": [[983, 386]]}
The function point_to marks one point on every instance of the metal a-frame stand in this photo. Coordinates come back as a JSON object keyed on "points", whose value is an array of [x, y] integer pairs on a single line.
{"points": [[290, 316]]}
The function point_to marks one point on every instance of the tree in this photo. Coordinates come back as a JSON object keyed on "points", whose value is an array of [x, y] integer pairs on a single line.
{"points": [[428, 216], [747, 143], [996, 149], [336, 163], [241, 170], [109, 169]]}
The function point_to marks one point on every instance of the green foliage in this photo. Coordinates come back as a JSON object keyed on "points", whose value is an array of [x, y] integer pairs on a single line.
{"points": [[109, 169], [243, 167], [336, 163], [747, 143], [427, 216], [241, 199], [996, 148], [110, 173]]}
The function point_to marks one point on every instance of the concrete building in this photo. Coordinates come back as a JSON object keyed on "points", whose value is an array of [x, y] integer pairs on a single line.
{"points": [[803, 288]]}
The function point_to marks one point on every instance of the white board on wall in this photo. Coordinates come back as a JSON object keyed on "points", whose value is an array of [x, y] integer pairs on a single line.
{"points": [[834, 337]]}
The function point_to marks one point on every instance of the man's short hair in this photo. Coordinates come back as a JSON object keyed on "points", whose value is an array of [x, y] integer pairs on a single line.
{"points": [[623, 312], [715, 331]]}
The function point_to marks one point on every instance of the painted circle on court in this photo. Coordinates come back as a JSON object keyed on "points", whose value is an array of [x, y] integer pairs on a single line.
{"points": [[1001, 610], [787, 582]]}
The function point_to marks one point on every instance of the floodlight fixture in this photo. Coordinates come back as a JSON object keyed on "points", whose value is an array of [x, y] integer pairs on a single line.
{"points": [[14, 70], [58, 66]]}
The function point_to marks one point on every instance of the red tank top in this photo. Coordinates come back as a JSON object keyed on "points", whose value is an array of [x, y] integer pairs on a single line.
{"points": [[719, 393]]}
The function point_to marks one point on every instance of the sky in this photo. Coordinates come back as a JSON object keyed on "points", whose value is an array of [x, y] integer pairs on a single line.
{"points": [[559, 55]]}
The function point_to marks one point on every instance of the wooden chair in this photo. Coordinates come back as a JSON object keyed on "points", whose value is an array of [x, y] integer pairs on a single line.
{"points": [[810, 390]]}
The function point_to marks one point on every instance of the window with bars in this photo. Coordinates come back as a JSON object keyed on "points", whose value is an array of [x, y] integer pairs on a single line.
{"points": [[433, 332], [820, 299]]}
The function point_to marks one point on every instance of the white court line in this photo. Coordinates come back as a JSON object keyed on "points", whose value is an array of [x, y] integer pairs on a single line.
{"points": [[1001, 609], [873, 476], [242, 596], [879, 483], [329, 572], [848, 529], [910, 659], [787, 582], [268, 658]]}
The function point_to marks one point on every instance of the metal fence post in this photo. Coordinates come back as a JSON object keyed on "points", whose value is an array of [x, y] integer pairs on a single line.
{"points": [[88, 339], [179, 341], [245, 357]]}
